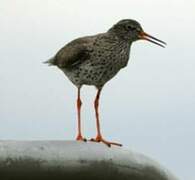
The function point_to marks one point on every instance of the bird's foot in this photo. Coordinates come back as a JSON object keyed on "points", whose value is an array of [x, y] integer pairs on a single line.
{"points": [[81, 138], [108, 143]]}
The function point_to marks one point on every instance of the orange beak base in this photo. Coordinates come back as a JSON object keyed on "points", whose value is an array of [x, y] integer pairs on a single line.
{"points": [[152, 39]]}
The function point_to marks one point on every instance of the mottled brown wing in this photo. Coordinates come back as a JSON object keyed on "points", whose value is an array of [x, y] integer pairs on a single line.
{"points": [[74, 52]]}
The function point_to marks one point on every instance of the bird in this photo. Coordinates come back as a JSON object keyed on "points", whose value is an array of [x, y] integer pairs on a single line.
{"points": [[96, 59]]}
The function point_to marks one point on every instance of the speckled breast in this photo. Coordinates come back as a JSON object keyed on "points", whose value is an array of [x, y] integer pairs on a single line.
{"points": [[103, 64]]}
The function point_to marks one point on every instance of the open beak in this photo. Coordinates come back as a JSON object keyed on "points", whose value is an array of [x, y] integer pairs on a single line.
{"points": [[152, 39]]}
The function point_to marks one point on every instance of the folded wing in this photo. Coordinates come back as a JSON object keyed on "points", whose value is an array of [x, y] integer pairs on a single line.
{"points": [[74, 53]]}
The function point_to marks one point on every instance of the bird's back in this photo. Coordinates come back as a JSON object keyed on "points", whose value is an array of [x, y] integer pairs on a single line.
{"points": [[73, 52]]}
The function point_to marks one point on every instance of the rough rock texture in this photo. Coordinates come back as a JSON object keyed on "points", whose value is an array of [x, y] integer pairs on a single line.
{"points": [[57, 160]]}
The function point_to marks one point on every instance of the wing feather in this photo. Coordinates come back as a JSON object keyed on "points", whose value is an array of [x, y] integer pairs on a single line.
{"points": [[74, 52]]}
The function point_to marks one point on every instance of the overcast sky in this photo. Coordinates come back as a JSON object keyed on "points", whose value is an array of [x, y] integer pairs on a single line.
{"points": [[149, 106]]}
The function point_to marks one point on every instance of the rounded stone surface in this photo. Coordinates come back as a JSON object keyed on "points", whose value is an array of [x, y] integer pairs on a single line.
{"points": [[57, 160]]}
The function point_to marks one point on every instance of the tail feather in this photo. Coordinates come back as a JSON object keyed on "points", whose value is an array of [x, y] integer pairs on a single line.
{"points": [[50, 61]]}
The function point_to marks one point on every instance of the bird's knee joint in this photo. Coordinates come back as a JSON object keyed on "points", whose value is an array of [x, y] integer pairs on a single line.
{"points": [[79, 102], [96, 103]]}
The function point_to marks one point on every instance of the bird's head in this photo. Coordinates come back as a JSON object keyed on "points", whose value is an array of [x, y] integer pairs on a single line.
{"points": [[130, 30]]}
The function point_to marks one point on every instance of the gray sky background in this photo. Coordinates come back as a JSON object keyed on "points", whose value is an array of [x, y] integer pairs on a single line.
{"points": [[149, 106]]}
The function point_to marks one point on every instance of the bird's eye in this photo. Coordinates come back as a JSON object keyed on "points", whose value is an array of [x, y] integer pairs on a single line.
{"points": [[132, 28]]}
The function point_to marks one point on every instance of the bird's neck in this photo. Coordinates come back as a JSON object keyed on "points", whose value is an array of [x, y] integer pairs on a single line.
{"points": [[118, 36]]}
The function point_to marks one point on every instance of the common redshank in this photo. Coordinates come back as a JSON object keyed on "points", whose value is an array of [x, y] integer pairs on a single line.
{"points": [[94, 60]]}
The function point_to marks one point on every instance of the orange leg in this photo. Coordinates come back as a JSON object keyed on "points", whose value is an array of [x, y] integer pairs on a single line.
{"points": [[99, 137], [79, 103]]}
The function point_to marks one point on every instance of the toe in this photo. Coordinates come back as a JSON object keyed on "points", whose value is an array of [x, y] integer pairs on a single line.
{"points": [[108, 143]]}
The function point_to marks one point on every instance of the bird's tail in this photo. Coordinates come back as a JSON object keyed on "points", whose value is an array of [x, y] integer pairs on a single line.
{"points": [[50, 61]]}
